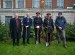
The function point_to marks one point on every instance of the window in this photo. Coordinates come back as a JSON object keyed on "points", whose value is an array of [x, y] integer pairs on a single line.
{"points": [[7, 3], [48, 3], [60, 3], [0, 4], [7, 19], [36, 3], [20, 3]]}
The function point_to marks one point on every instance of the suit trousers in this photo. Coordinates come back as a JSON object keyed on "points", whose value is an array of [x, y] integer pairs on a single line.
{"points": [[61, 33]]}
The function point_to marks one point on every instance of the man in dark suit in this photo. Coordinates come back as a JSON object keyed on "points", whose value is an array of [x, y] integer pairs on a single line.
{"points": [[37, 26], [49, 27], [15, 29], [27, 23], [60, 24]]}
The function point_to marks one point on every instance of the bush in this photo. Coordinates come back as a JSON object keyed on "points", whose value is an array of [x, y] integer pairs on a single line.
{"points": [[70, 31], [3, 32], [32, 33]]}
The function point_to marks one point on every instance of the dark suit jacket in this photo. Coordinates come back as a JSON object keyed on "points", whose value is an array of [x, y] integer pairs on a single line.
{"points": [[37, 22], [27, 22], [13, 28], [49, 24]]}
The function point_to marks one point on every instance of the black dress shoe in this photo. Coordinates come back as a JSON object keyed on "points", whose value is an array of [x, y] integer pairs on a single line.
{"points": [[28, 41]]}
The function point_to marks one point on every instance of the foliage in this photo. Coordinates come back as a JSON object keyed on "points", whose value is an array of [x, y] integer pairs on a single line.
{"points": [[3, 32], [70, 31]]}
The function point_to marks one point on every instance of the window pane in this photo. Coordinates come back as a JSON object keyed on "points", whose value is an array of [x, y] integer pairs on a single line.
{"points": [[7, 19], [60, 3], [20, 3], [8, 4], [36, 3], [48, 3]]}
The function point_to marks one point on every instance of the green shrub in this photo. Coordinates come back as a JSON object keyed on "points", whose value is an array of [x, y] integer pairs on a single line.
{"points": [[3, 32], [32, 33], [70, 31]]}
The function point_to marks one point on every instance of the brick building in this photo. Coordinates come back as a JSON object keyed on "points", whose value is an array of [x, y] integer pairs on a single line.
{"points": [[9, 7], [36, 3]]}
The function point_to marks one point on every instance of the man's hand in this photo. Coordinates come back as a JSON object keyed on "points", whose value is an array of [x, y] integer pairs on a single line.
{"points": [[26, 26], [60, 28], [37, 26]]}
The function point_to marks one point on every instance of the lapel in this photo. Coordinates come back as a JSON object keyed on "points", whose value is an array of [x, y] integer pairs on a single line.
{"points": [[15, 21], [27, 19]]}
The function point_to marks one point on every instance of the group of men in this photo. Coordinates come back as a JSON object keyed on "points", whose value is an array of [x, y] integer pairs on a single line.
{"points": [[16, 28]]}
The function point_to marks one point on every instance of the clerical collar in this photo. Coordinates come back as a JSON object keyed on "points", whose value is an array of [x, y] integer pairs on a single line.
{"points": [[27, 17]]}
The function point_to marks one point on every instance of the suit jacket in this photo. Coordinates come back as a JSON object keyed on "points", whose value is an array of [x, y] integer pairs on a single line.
{"points": [[48, 24], [13, 28], [27, 22], [60, 22], [37, 22]]}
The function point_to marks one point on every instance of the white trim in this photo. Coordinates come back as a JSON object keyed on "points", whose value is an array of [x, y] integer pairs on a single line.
{"points": [[16, 3], [4, 4], [0, 3], [32, 3], [12, 3], [24, 3]]}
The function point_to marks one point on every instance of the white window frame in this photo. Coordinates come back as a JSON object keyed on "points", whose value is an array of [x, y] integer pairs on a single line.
{"points": [[45, 5], [4, 6], [34, 4], [60, 1], [17, 4]]}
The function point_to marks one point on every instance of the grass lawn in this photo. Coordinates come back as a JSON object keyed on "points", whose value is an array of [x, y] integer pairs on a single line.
{"points": [[6, 48]]}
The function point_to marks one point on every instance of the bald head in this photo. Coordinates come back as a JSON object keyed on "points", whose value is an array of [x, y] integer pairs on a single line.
{"points": [[16, 15], [27, 14]]}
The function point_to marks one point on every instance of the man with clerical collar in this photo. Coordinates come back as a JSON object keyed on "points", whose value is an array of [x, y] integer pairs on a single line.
{"points": [[27, 23]]}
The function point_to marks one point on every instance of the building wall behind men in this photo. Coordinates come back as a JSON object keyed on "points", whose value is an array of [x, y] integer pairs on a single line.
{"points": [[70, 17], [23, 6]]}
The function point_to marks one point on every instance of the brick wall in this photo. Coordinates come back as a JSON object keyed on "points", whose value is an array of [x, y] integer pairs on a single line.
{"points": [[68, 3], [1, 3], [28, 3], [54, 3]]}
